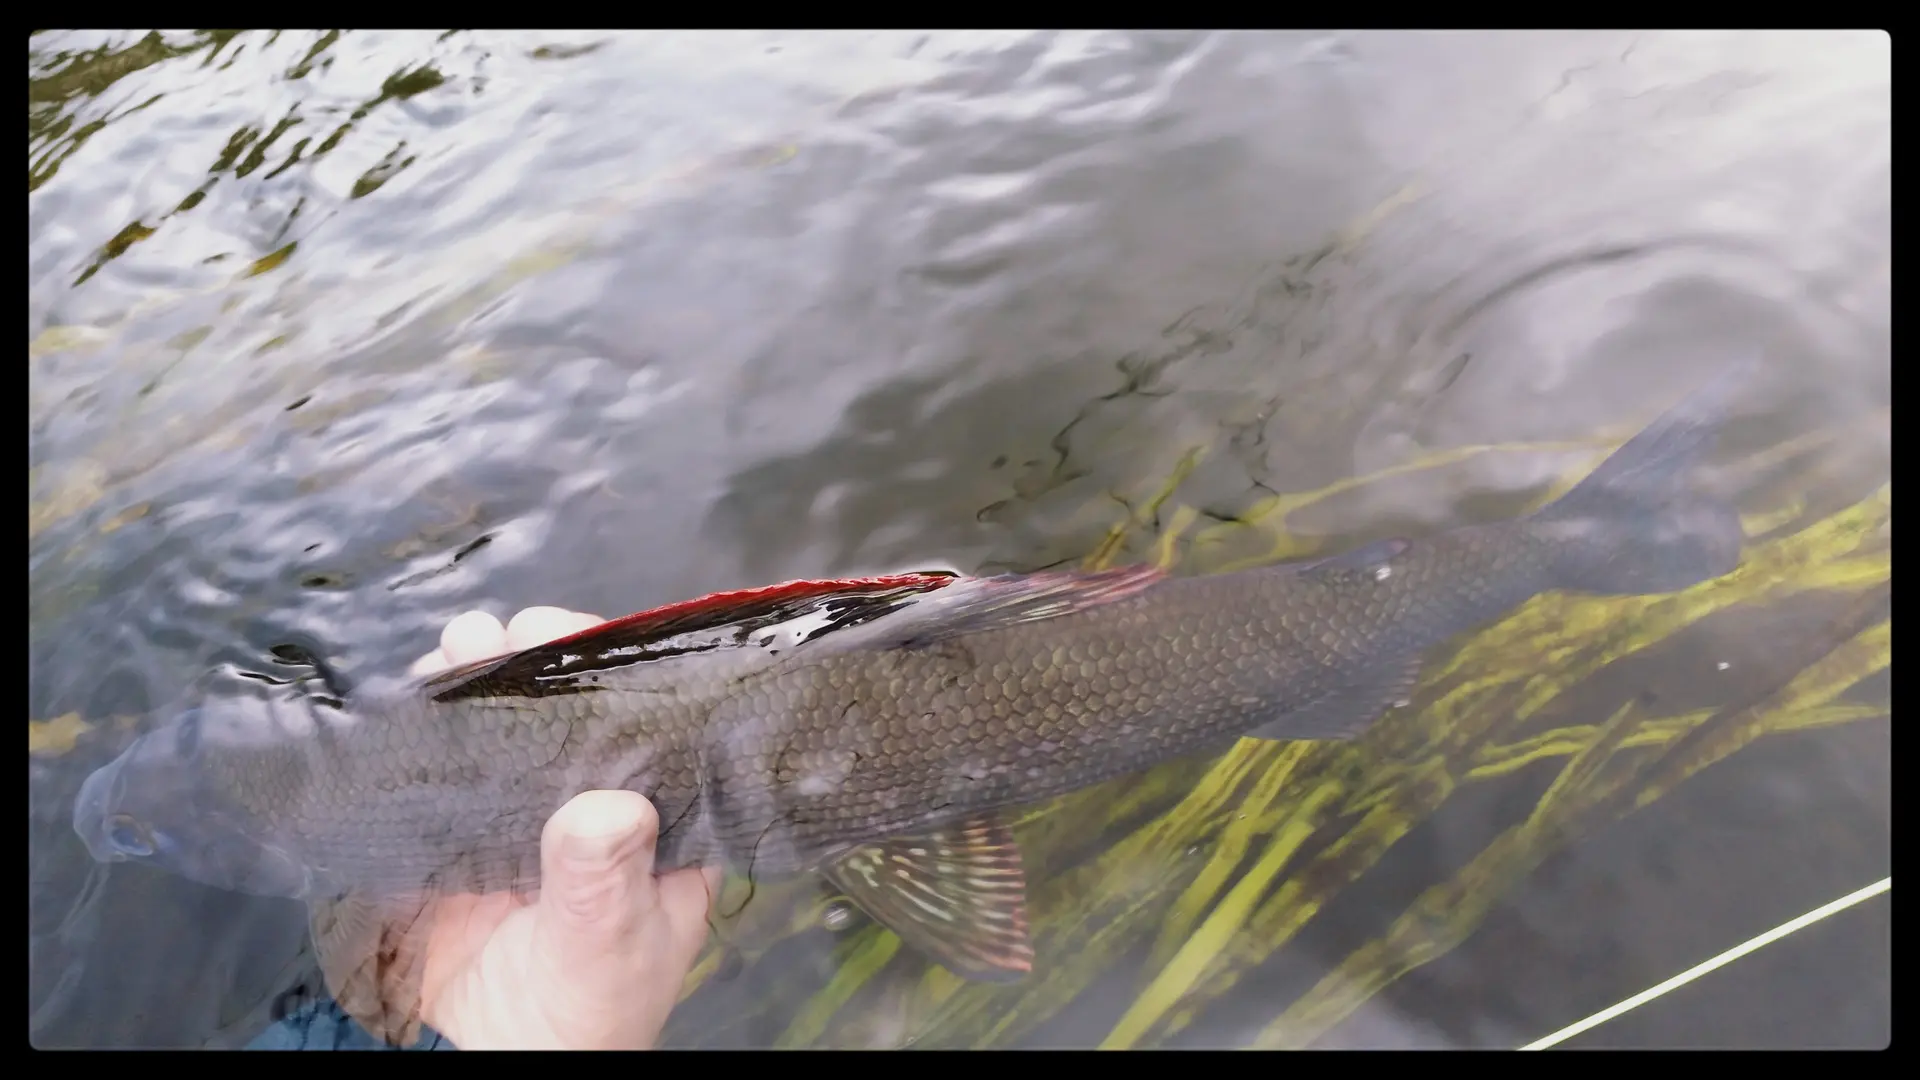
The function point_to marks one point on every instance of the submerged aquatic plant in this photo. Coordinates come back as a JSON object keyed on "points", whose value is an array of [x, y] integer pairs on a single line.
{"points": [[1179, 883]]}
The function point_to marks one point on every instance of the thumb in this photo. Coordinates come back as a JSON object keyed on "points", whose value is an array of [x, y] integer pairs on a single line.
{"points": [[596, 868]]}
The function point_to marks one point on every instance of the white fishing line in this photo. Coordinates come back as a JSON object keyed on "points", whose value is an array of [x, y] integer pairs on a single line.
{"points": [[1725, 958]]}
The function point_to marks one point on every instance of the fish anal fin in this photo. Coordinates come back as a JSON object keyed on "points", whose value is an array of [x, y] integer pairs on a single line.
{"points": [[373, 955], [957, 894], [1350, 710]]}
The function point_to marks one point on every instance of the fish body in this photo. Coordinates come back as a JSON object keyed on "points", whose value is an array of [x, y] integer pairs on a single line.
{"points": [[872, 729]]}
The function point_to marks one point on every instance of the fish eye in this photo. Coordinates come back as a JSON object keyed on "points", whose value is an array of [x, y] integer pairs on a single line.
{"points": [[128, 836]]}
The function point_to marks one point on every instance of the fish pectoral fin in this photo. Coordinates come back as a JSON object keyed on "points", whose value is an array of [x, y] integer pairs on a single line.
{"points": [[1347, 712], [957, 894], [373, 959]]}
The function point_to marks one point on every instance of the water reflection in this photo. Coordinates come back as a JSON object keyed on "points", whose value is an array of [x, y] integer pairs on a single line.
{"points": [[651, 315]]}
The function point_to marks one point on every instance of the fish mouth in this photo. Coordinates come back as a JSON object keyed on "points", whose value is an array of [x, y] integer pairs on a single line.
{"points": [[213, 848], [91, 807]]}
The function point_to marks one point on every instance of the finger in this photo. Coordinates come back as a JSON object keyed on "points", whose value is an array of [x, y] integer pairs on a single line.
{"points": [[596, 858], [472, 635], [686, 899], [461, 924], [539, 625], [430, 663]]}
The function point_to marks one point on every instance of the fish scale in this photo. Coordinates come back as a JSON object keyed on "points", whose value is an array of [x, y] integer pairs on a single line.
{"points": [[781, 766], [872, 729]]}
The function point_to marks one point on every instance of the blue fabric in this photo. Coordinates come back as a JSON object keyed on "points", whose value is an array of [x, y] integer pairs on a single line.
{"points": [[322, 1026]]}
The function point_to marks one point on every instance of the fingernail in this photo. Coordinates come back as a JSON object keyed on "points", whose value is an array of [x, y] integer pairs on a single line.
{"points": [[591, 852]]}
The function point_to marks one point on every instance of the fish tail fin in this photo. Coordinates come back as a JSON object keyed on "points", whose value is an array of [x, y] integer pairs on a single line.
{"points": [[1635, 525]]}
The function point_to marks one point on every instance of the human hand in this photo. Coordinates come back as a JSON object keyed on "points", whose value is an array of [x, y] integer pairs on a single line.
{"points": [[597, 961]]}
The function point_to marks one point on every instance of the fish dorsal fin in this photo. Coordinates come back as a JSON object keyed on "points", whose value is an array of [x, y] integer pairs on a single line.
{"points": [[373, 956], [957, 894], [737, 605], [672, 629], [974, 605]]}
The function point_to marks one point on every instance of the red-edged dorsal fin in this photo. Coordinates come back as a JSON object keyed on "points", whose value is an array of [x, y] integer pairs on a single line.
{"points": [[978, 605], [718, 609], [559, 666]]}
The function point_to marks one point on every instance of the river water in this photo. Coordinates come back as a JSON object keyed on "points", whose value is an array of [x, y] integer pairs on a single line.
{"points": [[334, 336]]}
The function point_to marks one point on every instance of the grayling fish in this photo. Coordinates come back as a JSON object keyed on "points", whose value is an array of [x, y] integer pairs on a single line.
{"points": [[872, 729]]}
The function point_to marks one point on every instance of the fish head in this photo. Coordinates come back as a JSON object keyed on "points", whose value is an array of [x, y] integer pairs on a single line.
{"points": [[160, 803]]}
